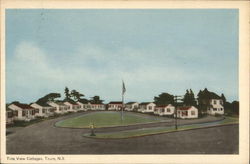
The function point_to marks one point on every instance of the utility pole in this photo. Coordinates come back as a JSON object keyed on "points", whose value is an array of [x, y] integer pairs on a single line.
{"points": [[176, 99]]}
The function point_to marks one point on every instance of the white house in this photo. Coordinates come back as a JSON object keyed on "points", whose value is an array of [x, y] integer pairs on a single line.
{"points": [[60, 107], [187, 112], [43, 109], [23, 112], [97, 106], [164, 110], [85, 104], [215, 106], [147, 107], [115, 105], [9, 116], [73, 106], [131, 106]]}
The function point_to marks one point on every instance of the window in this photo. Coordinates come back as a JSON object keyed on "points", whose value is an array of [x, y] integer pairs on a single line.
{"points": [[192, 112], [23, 113], [10, 114], [150, 107], [184, 113], [168, 110], [15, 113], [43, 110], [214, 109], [214, 101], [162, 110]]}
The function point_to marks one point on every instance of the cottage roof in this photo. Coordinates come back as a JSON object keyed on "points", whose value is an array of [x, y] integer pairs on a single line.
{"points": [[145, 103], [43, 104], [115, 102], [184, 108], [23, 106], [161, 106], [207, 94], [129, 103], [71, 102]]}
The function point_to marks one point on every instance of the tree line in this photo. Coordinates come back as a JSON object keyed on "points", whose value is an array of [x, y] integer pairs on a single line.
{"points": [[201, 102], [72, 95]]}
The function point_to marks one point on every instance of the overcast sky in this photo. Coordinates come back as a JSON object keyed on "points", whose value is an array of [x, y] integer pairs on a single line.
{"points": [[153, 51]]}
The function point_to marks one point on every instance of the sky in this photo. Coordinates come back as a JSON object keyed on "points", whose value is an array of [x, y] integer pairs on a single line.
{"points": [[93, 50]]}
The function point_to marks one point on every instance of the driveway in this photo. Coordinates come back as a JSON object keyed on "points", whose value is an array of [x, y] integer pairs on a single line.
{"points": [[45, 138]]}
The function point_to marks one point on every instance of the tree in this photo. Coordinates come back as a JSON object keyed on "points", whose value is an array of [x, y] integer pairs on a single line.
{"points": [[49, 97], [67, 94], [96, 100], [235, 107], [164, 99], [76, 95], [189, 99], [223, 98]]}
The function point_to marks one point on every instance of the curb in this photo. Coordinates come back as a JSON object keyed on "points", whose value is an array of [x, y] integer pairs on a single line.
{"points": [[229, 124]]}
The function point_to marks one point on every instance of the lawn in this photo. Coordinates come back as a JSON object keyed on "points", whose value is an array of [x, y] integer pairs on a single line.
{"points": [[107, 119], [159, 130]]}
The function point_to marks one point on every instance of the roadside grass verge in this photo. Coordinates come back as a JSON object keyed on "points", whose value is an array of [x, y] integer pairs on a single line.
{"points": [[159, 130]]}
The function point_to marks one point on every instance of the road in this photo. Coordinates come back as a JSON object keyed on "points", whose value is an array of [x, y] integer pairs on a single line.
{"points": [[45, 138]]}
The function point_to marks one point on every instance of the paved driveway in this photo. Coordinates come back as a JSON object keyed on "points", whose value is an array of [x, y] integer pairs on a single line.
{"points": [[45, 138]]}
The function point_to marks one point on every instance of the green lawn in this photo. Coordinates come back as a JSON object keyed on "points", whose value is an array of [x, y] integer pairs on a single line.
{"points": [[149, 131], [107, 119]]}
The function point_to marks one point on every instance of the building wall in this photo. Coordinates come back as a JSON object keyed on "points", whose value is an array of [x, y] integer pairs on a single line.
{"points": [[216, 107]]}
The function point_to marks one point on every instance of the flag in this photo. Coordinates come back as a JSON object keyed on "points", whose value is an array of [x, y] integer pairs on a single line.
{"points": [[123, 88]]}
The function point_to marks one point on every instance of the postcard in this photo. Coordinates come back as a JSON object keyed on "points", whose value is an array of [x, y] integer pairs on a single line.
{"points": [[124, 81]]}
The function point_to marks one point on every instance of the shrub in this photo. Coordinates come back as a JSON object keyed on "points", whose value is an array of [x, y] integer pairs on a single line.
{"points": [[218, 115]]}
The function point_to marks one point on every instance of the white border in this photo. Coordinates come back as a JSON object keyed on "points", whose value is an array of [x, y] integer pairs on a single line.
{"points": [[244, 43]]}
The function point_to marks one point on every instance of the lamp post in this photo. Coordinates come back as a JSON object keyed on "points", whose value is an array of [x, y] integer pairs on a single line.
{"points": [[177, 100], [92, 130]]}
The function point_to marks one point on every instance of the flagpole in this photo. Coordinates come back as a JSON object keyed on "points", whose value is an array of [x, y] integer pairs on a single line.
{"points": [[123, 91], [122, 104]]}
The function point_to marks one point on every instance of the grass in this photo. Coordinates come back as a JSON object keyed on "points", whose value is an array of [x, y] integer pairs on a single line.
{"points": [[106, 119], [38, 119], [159, 130]]}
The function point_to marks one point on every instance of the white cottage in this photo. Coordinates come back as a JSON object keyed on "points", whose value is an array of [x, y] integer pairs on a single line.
{"points": [[97, 106], [215, 107], [164, 110], [85, 104], [147, 107], [43, 109], [187, 112], [73, 106], [60, 107], [131, 106], [9, 116], [115, 105], [22, 112]]}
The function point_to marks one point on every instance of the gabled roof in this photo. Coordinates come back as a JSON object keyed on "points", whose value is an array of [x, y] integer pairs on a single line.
{"points": [[115, 102], [60, 103], [71, 102], [96, 104], [184, 108], [129, 103], [145, 103], [161, 106], [8, 109], [43, 104], [209, 95], [23, 106]]}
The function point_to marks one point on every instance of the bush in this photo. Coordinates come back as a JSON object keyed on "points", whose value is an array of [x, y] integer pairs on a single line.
{"points": [[218, 115]]}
